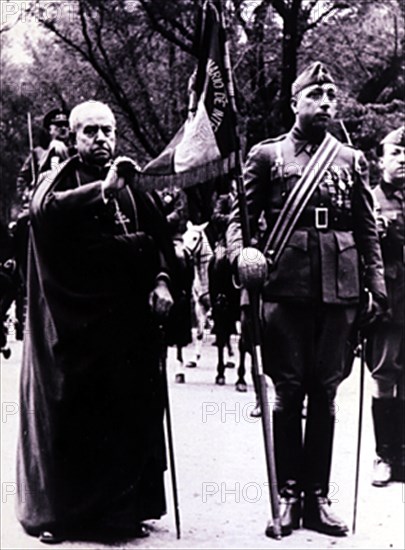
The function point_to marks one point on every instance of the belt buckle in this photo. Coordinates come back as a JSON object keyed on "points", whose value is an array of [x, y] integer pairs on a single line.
{"points": [[321, 217]]}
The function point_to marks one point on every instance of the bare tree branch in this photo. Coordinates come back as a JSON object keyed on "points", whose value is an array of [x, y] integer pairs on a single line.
{"points": [[337, 6], [163, 30]]}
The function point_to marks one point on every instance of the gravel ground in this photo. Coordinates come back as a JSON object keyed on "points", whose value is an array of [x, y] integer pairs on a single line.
{"points": [[221, 472]]}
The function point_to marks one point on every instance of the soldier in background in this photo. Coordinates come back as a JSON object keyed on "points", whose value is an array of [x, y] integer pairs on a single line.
{"points": [[385, 352], [56, 133]]}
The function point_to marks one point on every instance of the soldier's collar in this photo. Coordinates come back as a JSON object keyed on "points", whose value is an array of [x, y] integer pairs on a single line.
{"points": [[303, 142], [392, 190]]}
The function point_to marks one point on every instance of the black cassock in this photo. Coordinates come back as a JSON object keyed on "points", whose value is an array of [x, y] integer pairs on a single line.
{"points": [[91, 446]]}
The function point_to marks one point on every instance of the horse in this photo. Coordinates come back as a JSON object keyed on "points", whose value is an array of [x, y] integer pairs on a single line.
{"points": [[225, 311], [197, 246], [212, 290]]}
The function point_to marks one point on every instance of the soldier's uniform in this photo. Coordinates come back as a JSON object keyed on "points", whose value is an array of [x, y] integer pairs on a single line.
{"points": [[40, 159], [310, 300], [385, 353]]}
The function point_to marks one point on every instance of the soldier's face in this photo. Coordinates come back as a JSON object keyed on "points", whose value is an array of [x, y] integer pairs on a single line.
{"points": [[59, 130], [315, 106], [392, 163], [95, 137]]}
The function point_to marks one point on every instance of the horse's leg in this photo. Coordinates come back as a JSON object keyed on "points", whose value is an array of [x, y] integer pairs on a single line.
{"points": [[228, 363], [179, 376], [220, 377], [197, 341], [229, 347], [241, 382], [201, 318]]}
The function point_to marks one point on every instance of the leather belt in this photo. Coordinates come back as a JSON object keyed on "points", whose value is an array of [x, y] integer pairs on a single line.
{"points": [[323, 218]]}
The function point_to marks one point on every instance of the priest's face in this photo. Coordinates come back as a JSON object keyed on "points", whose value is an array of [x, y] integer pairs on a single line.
{"points": [[95, 136], [315, 106]]}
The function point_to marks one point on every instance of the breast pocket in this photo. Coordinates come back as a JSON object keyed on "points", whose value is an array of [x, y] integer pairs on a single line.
{"points": [[348, 283]]}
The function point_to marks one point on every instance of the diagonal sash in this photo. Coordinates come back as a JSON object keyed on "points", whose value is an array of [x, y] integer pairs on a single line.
{"points": [[299, 197]]}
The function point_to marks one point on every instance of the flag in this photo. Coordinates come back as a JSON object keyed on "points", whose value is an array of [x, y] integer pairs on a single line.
{"points": [[205, 147]]}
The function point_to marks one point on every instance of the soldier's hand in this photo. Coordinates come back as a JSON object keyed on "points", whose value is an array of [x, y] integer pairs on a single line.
{"points": [[373, 308], [252, 268], [59, 149], [382, 225]]}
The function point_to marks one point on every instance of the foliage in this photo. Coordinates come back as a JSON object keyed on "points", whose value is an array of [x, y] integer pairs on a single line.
{"points": [[138, 55]]}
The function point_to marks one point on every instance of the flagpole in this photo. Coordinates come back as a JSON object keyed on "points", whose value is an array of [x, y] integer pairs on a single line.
{"points": [[257, 363]]}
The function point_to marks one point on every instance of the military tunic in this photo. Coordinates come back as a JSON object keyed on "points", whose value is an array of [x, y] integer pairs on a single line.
{"points": [[310, 299], [386, 355]]}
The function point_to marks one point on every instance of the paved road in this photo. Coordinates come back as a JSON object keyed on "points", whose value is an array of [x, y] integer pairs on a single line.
{"points": [[221, 471]]}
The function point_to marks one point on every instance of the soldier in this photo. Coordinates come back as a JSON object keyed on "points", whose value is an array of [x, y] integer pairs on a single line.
{"points": [[385, 350], [56, 131], [56, 128], [311, 295]]}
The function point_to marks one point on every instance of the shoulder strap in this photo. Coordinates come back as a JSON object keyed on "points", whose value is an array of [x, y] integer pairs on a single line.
{"points": [[299, 197]]}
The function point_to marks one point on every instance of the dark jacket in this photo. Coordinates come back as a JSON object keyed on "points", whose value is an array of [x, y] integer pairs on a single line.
{"points": [[317, 264], [390, 204]]}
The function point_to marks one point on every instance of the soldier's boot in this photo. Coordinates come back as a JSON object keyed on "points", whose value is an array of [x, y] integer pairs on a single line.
{"points": [[318, 516], [398, 466], [288, 453], [383, 412], [319, 432], [290, 510]]}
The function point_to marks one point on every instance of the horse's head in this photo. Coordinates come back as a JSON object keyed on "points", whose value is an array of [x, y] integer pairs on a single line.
{"points": [[194, 238]]}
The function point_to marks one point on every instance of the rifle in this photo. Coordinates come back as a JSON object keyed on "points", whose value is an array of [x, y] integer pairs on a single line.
{"points": [[31, 145]]}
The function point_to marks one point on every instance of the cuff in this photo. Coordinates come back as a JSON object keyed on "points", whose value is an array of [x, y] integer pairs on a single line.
{"points": [[107, 194], [163, 276]]}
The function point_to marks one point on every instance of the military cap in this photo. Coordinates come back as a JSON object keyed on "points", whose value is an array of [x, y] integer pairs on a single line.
{"points": [[316, 73], [55, 116], [396, 137]]}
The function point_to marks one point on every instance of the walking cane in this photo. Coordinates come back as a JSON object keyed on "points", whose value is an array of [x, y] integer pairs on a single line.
{"points": [[368, 309], [257, 363], [169, 432], [361, 399]]}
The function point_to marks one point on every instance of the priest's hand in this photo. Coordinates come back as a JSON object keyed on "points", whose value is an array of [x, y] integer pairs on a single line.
{"points": [[160, 300], [121, 170]]}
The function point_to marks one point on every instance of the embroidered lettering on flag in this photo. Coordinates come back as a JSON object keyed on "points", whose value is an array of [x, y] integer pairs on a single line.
{"points": [[205, 146]]}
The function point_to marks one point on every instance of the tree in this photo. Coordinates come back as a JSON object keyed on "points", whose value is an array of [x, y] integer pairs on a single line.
{"points": [[138, 55]]}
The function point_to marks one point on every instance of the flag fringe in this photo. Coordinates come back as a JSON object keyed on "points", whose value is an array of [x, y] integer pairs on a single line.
{"points": [[188, 178]]}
